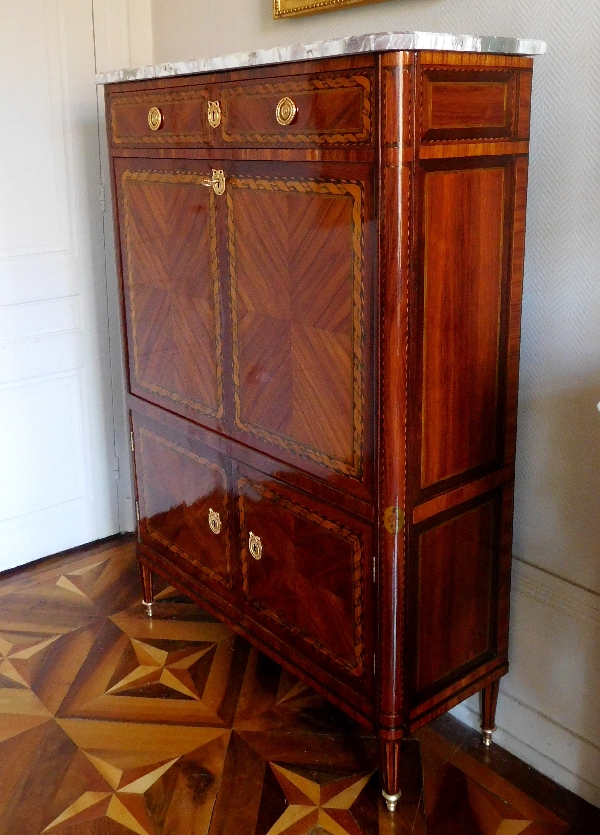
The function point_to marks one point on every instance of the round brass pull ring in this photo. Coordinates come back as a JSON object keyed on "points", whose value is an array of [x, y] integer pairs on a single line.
{"points": [[155, 118], [214, 521], [285, 112]]}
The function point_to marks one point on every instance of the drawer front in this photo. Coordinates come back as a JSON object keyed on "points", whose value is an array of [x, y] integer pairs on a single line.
{"points": [[180, 118], [306, 573], [463, 104], [326, 110], [182, 488]]}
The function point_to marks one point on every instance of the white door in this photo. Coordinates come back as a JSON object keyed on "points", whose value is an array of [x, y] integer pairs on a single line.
{"points": [[58, 485]]}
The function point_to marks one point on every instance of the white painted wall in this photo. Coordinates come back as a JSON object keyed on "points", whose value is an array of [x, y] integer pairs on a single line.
{"points": [[549, 708]]}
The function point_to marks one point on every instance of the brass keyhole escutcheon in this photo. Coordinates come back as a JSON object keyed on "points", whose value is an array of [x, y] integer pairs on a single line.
{"points": [[285, 112], [214, 114], [155, 118], [214, 521], [255, 546], [216, 181]]}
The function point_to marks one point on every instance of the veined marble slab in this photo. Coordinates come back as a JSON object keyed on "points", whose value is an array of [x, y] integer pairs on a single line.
{"points": [[380, 42]]}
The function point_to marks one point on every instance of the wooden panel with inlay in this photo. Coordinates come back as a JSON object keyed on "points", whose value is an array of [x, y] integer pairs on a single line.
{"points": [[465, 246], [183, 499], [311, 578], [332, 109], [172, 294], [299, 278], [456, 578], [464, 104], [183, 118]]}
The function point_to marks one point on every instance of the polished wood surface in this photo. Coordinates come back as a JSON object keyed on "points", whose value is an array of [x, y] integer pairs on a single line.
{"points": [[181, 487], [296, 254], [111, 724], [332, 345], [464, 217], [172, 294], [184, 118], [332, 109], [314, 576]]}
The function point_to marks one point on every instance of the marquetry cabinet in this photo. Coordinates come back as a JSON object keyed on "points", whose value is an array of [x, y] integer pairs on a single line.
{"points": [[321, 269]]}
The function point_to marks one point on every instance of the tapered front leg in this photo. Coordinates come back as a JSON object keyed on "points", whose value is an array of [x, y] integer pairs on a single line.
{"points": [[390, 772], [489, 700], [147, 587]]}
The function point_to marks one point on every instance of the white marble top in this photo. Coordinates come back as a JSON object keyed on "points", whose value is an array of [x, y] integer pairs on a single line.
{"points": [[380, 42]]}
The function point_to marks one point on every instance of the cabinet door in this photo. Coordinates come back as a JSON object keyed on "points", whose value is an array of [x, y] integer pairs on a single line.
{"points": [[182, 488], [306, 571], [301, 252], [171, 285]]}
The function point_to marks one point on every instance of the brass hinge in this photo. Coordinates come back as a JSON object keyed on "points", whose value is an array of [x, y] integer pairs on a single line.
{"points": [[137, 512], [374, 568], [132, 441]]}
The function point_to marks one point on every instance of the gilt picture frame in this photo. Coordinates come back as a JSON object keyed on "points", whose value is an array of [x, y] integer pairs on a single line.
{"points": [[294, 8]]}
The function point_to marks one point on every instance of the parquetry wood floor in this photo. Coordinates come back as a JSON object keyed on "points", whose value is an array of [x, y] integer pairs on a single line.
{"points": [[111, 723]]}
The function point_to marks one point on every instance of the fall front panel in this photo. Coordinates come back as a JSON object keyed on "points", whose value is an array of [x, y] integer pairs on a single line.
{"points": [[300, 276], [171, 285]]}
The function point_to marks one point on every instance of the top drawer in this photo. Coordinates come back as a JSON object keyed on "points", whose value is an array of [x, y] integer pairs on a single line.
{"points": [[325, 110], [160, 118], [320, 110]]}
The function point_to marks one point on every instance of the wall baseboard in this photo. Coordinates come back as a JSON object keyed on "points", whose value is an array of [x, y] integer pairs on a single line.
{"points": [[548, 707]]}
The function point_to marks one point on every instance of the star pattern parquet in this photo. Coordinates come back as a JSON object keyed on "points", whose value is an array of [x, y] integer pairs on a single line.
{"points": [[112, 723]]}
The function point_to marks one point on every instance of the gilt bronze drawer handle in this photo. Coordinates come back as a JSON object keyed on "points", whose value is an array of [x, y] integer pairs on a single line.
{"points": [[216, 181], [255, 546], [214, 521], [155, 118], [285, 112], [214, 114]]}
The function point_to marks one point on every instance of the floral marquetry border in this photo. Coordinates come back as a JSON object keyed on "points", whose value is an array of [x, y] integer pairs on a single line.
{"points": [[293, 8]]}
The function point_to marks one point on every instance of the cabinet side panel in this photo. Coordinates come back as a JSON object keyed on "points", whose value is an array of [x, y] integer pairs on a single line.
{"points": [[457, 579], [464, 260]]}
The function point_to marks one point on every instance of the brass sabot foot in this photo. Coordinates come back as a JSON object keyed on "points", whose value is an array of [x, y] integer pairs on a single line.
{"points": [[391, 800], [487, 737]]}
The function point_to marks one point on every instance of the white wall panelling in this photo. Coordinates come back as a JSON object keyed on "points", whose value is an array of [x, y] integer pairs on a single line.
{"points": [[56, 430], [48, 414], [557, 521], [33, 198]]}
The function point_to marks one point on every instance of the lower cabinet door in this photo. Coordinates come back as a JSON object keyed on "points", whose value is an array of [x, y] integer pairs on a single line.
{"points": [[184, 505], [307, 575]]}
